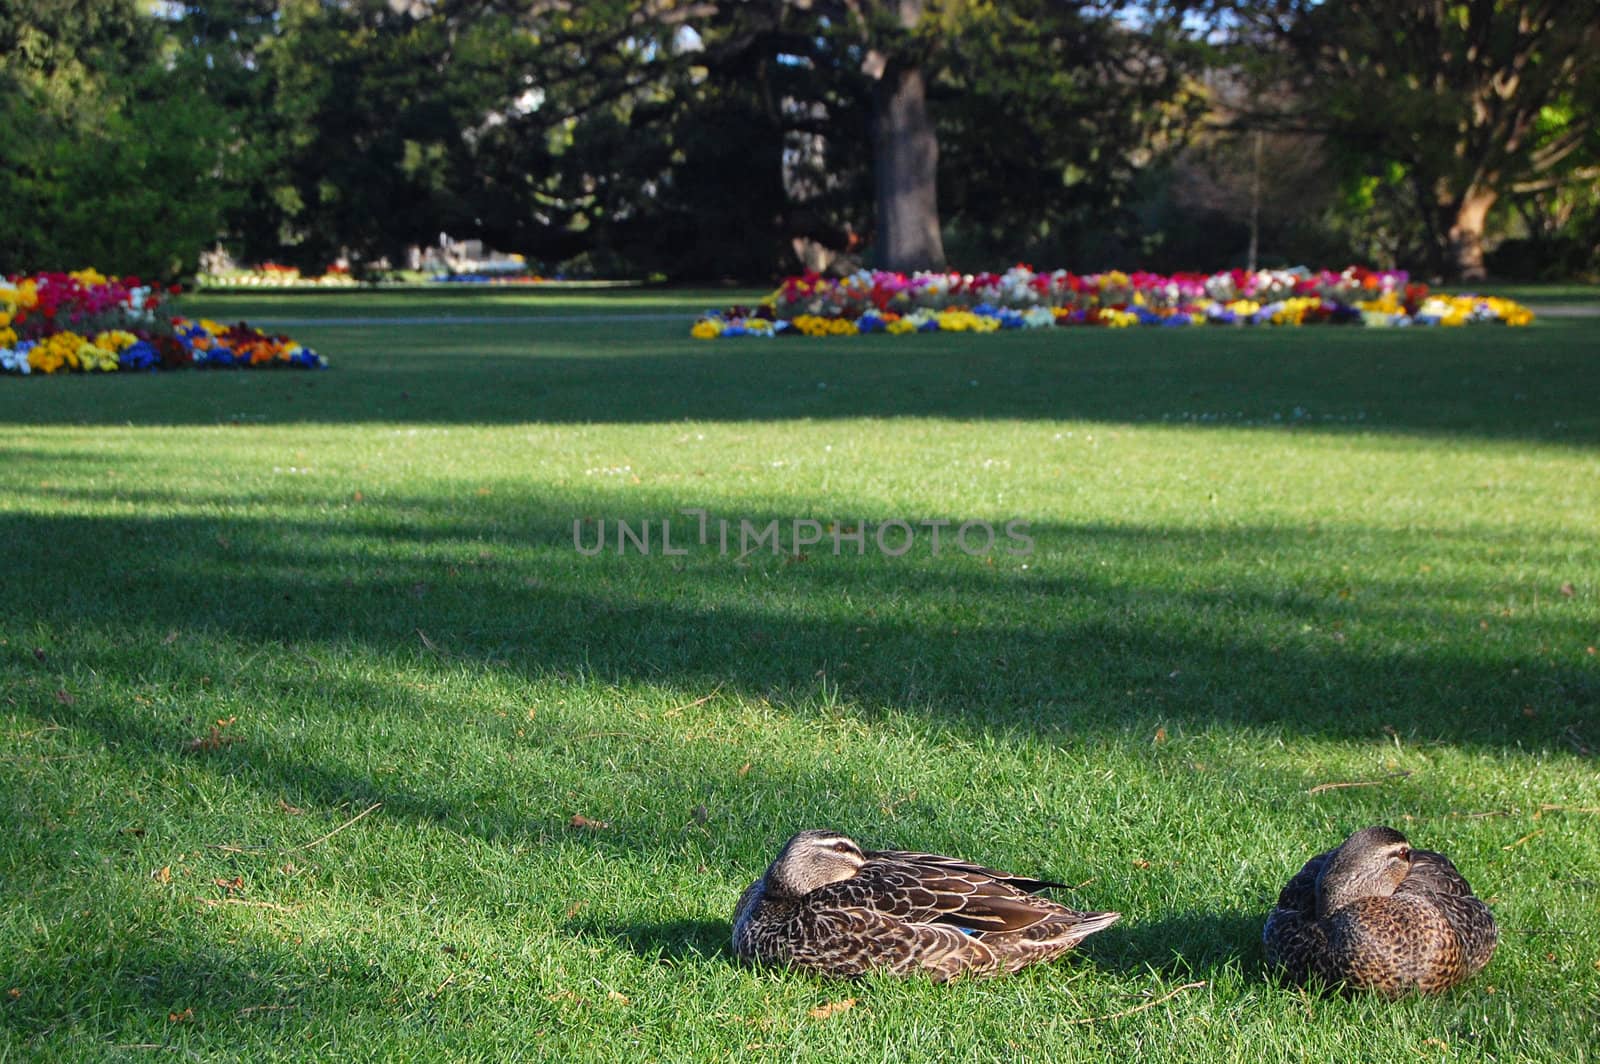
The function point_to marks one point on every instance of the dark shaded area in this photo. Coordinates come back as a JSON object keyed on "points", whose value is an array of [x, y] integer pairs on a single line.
{"points": [[1536, 383], [673, 940], [1079, 654], [1075, 647], [1182, 945]]}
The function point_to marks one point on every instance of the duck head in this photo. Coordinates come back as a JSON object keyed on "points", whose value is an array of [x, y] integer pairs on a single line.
{"points": [[1369, 864], [813, 859]]}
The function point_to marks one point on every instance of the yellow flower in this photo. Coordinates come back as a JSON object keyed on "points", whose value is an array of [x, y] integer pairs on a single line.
{"points": [[965, 321], [91, 276], [1509, 311], [812, 325], [57, 352], [1293, 311], [95, 358], [901, 327], [706, 329], [115, 340]]}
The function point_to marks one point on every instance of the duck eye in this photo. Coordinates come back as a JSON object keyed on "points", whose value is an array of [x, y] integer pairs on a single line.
{"points": [[843, 847]]}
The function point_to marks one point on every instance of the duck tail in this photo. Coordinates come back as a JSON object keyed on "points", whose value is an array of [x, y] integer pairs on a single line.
{"points": [[1079, 926], [1065, 929], [1048, 938]]}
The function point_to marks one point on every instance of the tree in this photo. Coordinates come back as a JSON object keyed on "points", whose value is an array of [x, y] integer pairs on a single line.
{"points": [[905, 145], [1052, 119], [1450, 98], [106, 156], [1071, 92]]}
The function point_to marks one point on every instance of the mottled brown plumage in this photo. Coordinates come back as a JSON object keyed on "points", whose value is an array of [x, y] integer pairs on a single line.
{"points": [[828, 906], [1375, 914]]}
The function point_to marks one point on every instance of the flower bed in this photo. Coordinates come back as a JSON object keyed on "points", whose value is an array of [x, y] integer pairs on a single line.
{"points": [[273, 275], [874, 301], [85, 322]]}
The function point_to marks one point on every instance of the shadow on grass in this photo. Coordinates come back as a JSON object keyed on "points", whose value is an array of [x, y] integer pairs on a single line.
{"points": [[1182, 945], [1124, 631], [1081, 648], [1495, 383], [672, 940]]}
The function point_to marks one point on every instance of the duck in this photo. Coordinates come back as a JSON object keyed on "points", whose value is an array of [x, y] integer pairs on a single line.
{"points": [[1375, 914], [828, 906]]}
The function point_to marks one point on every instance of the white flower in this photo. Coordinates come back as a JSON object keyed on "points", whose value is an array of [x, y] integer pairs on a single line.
{"points": [[15, 359]]}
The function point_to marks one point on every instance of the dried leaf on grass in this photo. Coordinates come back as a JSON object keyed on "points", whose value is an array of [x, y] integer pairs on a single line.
{"points": [[213, 740], [1525, 838], [583, 823], [246, 903], [1140, 1008], [1319, 788], [822, 1012]]}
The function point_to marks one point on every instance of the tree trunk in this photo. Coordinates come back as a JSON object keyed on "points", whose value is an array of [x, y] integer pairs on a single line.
{"points": [[906, 160], [1466, 234]]}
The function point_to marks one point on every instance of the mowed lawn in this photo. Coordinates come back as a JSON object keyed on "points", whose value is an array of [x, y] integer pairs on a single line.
{"points": [[320, 740]]}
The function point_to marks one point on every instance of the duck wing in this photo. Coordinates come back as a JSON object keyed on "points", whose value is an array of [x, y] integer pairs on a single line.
{"points": [[929, 889], [850, 940], [1434, 878], [1432, 873], [1293, 938], [939, 861], [1300, 893]]}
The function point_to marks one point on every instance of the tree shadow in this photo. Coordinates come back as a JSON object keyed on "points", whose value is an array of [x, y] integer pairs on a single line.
{"points": [[1499, 383], [1078, 650]]}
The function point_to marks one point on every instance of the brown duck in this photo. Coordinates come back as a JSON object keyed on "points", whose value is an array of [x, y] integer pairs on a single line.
{"points": [[1377, 915], [828, 906]]}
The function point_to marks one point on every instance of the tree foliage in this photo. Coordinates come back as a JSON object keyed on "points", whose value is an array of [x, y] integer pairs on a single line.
{"points": [[106, 155], [710, 138], [1446, 110]]}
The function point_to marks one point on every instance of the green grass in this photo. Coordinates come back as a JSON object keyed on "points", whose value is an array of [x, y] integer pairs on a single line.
{"points": [[1535, 294], [465, 301], [1264, 561]]}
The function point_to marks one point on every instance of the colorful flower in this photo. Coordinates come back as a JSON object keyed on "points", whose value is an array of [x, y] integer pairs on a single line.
{"points": [[871, 301], [87, 322]]}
